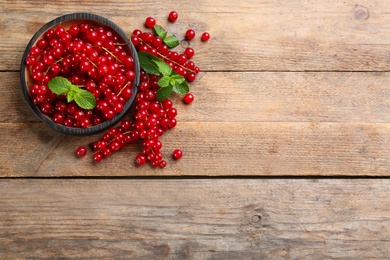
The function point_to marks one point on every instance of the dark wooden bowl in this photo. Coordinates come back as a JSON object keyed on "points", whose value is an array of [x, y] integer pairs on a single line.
{"points": [[66, 21]]}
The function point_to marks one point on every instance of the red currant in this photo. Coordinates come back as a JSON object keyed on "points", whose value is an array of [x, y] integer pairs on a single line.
{"points": [[172, 17], [177, 154], [191, 77], [190, 34], [140, 159], [81, 151], [172, 112], [98, 156], [150, 22], [188, 98], [205, 36], [189, 52], [163, 164]]}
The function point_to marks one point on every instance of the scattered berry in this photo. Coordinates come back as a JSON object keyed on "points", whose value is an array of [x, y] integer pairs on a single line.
{"points": [[177, 154], [150, 22], [172, 17], [205, 36], [81, 151], [190, 34], [188, 98]]}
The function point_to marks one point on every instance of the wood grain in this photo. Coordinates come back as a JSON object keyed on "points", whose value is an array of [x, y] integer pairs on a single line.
{"points": [[247, 35], [294, 88], [195, 219], [210, 149]]}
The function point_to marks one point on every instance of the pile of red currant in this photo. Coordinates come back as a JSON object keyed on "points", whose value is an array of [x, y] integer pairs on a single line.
{"points": [[92, 58], [152, 117]]}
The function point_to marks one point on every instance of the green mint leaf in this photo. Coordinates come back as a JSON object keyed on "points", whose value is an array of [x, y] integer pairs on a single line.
{"points": [[70, 96], [163, 67], [181, 88], [85, 99], [178, 78], [59, 85], [172, 81], [74, 88], [171, 41], [160, 32], [146, 60], [164, 81], [163, 93]]}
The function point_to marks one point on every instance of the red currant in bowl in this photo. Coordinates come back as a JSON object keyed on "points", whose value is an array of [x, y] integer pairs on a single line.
{"points": [[80, 74]]}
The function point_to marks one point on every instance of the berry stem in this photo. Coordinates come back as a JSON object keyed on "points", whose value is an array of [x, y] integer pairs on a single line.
{"points": [[112, 54], [120, 91]]}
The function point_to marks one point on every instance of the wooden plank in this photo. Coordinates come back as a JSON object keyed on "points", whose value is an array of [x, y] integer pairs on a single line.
{"points": [[214, 149], [247, 35], [195, 219], [258, 97]]}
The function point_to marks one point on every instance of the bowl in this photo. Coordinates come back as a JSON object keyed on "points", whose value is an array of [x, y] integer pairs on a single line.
{"points": [[28, 79]]}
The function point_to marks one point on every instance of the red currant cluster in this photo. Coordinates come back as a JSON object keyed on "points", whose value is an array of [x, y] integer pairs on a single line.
{"points": [[153, 44], [152, 117], [88, 57]]}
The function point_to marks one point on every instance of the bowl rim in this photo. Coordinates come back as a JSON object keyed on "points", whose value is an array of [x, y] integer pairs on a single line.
{"points": [[105, 23]]}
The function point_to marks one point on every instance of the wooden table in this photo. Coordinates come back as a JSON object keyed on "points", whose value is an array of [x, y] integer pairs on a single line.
{"points": [[286, 147]]}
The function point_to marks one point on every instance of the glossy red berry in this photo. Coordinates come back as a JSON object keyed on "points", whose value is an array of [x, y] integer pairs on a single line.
{"points": [[81, 151], [177, 154], [191, 76], [97, 157], [189, 52], [188, 98], [190, 34], [205, 36], [163, 164], [150, 22], [140, 159], [172, 17]]}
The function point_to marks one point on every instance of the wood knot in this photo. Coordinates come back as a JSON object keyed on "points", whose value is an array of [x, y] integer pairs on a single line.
{"points": [[361, 13], [184, 44], [256, 218]]}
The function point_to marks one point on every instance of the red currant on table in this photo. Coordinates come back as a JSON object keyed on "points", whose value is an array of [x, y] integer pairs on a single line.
{"points": [[140, 159], [190, 34], [177, 154], [188, 98], [189, 52], [150, 22], [81, 151], [98, 156], [163, 164], [172, 17], [205, 36]]}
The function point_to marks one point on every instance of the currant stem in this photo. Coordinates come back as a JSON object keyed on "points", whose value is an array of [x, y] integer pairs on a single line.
{"points": [[112, 54], [120, 91], [57, 61], [93, 64]]}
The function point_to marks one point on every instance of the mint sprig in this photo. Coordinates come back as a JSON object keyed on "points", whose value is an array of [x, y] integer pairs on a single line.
{"points": [[82, 97], [171, 41], [169, 82]]}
